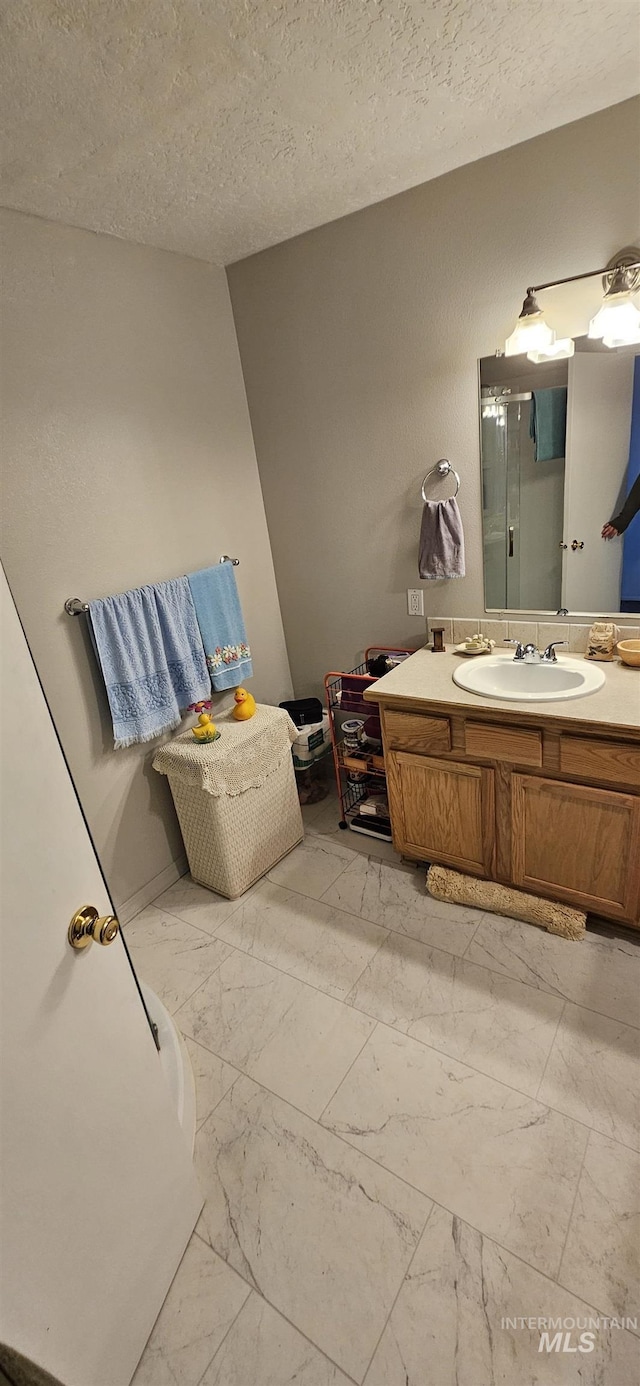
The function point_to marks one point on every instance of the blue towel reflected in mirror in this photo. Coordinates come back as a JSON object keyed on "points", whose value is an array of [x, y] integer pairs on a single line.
{"points": [[548, 423]]}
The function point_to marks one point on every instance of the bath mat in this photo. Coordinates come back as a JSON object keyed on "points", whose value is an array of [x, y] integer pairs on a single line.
{"points": [[500, 899]]}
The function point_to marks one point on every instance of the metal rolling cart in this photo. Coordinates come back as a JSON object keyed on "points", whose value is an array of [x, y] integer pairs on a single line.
{"points": [[359, 773]]}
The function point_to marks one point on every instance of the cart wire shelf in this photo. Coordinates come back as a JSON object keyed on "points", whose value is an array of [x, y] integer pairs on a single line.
{"points": [[333, 685], [345, 696]]}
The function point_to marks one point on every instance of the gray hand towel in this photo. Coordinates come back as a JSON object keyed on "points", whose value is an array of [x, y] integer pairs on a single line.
{"points": [[441, 548]]}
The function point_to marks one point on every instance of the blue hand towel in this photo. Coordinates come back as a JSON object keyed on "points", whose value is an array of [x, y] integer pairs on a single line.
{"points": [[217, 604], [150, 652], [548, 423]]}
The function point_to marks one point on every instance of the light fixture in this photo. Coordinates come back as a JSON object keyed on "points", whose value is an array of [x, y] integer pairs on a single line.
{"points": [[618, 320], [531, 332], [562, 347], [617, 323]]}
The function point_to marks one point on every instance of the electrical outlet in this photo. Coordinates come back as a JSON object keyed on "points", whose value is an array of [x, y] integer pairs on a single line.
{"points": [[415, 602]]}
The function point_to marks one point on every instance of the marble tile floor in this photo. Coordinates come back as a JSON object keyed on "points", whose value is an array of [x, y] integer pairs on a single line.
{"points": [[324, 818], [414, 1123]]}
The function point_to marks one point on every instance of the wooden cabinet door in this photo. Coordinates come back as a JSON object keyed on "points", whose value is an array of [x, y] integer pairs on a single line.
{"points": [[442, 811], [577, 844]]}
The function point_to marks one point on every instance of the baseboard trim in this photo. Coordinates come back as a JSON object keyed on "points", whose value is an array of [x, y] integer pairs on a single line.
{"points": [[153, 888]]}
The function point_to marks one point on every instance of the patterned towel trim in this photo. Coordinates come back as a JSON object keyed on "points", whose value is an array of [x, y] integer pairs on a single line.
{"points": [[154, 691], [228, 655]]}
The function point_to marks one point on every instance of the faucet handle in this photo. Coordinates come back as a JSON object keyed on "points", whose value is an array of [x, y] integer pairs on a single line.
{"points": [[519, 654], [550, 652]]}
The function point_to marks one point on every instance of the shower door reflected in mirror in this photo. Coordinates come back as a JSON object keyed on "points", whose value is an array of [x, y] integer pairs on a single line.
{"points": [[557, 461], [522, 509]]}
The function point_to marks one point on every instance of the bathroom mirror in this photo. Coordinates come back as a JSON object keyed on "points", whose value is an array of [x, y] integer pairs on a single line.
{"points": [[559, 447]]}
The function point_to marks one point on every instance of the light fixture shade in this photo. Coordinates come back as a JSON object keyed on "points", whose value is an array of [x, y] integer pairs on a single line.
{"points": [[556, 351], [531, 332], [617, 322]]}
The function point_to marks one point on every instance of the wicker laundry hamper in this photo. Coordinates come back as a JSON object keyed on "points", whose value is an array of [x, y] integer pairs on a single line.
{"points": [[236, 798]]}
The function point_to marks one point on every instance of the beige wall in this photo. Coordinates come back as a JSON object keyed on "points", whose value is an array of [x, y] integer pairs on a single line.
{"points": [[128, 458], [359, 344]]}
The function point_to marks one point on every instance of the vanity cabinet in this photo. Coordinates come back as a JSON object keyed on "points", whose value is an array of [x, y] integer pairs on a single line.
{"points": [[541, 804], [577, 843], [442, 810]]}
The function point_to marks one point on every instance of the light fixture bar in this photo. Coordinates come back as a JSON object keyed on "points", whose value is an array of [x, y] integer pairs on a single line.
{"points": [[608, 270]]}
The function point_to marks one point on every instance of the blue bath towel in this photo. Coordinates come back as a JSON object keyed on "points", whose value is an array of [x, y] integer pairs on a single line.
{"points": [[151, 655], [548, 423], [217, 604]]}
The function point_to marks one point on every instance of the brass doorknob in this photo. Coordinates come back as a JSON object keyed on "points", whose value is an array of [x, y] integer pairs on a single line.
{"points": [[577, 544], [87, 925]]}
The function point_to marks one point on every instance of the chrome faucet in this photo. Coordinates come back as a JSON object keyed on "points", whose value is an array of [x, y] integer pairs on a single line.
{"points": [[531, 654], [549, 656]]}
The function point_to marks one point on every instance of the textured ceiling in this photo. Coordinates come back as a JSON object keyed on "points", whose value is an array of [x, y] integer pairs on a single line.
{"points": [[219, 127]]}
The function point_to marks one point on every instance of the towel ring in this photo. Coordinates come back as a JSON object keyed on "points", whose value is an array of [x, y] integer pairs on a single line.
{"points": [[442, 468]]}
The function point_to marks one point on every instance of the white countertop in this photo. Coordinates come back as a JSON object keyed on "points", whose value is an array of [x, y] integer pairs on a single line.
{"points": [[427, 677]]}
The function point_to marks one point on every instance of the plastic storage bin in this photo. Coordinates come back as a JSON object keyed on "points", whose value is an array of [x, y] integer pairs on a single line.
{"points": [[236, 798], [311, 742]]}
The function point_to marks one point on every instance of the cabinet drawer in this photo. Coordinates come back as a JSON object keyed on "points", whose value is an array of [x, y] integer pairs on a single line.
{"points": [[409, 731], [601, 760], [515, 744]]}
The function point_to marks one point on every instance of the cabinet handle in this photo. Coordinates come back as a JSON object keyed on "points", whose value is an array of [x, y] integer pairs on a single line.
{"points": [[510, 541]]}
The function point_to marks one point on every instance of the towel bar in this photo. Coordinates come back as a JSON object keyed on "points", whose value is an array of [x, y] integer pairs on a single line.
{"points": [[74, 607]]}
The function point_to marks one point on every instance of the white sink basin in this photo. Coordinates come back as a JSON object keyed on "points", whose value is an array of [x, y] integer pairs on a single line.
{"points": [[500, 676]]}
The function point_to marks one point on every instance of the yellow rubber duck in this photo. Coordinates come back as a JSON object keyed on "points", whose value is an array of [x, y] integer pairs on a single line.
{"points": [[206, 729], [245, 705]]}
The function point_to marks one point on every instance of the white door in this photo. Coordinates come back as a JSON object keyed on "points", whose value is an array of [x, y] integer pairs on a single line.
{"points": [[598, 432], [98, 1192]]}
